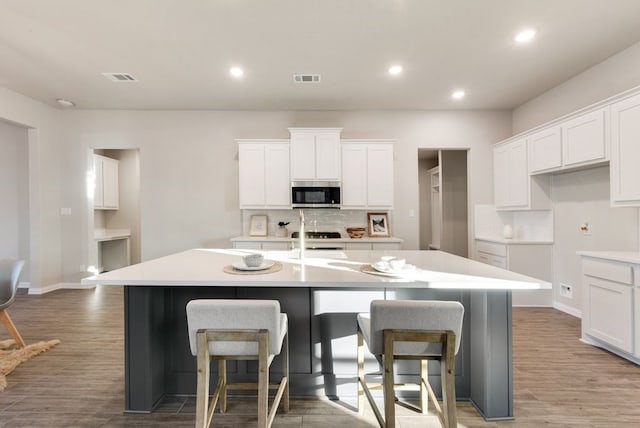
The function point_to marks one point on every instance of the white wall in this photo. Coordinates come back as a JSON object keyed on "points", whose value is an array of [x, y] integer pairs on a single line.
{"points": [[44, 184], [14, 193], [581, 197], [616, 74], [189, 169], [578, 196]]}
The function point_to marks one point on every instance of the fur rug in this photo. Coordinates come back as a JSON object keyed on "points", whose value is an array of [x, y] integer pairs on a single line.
{"points": [[11, 356]]}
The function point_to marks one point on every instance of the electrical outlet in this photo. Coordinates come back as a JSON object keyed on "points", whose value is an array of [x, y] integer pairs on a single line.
{"points": [[566, 291]]}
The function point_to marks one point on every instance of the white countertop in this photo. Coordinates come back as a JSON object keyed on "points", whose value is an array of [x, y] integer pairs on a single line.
{"points": [[288, 239], [204, 267], [111, 234], [506, 241], [620, 256]]}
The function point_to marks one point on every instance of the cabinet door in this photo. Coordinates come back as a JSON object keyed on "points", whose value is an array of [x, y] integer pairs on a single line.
{"points": [[303, 156], [277, 184], [545, 150], [110, 183], [609, 312], [511, 175], [354, 176], [98, 194], [584, 139], [625, 152], [251, 161], [380, 176], [327, 155]]}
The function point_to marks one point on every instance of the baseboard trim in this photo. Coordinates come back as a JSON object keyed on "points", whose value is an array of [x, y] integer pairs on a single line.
{"points": [[60, 286], [568, 309]]}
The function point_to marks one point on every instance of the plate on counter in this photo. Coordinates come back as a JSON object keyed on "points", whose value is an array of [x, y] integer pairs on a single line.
{"points": [[241, 266], [385, 268]]}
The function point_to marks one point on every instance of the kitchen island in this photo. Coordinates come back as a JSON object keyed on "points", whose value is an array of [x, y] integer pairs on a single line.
{"points": [[321, 294]]}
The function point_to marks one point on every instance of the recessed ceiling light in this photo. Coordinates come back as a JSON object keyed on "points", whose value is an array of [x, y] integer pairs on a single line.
{"points": [[395, 70], [525, 35], [459, 94], [65, 103], [236, 71]]}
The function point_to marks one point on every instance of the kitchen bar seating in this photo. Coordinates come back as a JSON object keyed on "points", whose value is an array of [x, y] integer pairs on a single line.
{"points": [[238, 330], [9, 274], [411, 330]]}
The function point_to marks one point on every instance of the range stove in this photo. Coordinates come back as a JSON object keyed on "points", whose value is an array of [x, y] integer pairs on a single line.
{"points": [[318, 235]]}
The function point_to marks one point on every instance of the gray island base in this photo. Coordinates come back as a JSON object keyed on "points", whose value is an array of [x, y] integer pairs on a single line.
{"points": [[321, 295]]}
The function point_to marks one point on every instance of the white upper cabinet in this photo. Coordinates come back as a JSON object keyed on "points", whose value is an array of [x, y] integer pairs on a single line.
{"points": [[625, 152], [574, 143], [367, 175], [545, 150], [264, 174], [315, 154], [354, 176], [106, 195], [584, 139], [514, 189]]}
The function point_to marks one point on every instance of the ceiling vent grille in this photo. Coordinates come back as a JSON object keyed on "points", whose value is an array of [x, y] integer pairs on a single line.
{"points": [[120, 77], [306, 78]]}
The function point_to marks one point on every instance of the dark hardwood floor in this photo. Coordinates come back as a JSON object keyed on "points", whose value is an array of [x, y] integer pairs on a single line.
{"points": [[558, 381]]}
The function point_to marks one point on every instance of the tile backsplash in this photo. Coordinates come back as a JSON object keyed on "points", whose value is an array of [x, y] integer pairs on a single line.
{"points": [[324, 220]]}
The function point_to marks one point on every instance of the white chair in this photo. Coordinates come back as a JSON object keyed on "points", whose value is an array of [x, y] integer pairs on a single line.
{"points": [[9, 274], [411, 330], [238, 330]]}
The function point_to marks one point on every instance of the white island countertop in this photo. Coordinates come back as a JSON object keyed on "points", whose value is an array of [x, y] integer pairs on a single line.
{"points": [[326, 269]]}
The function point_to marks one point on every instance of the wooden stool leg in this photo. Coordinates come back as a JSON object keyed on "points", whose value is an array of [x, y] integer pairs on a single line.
{"points": [[202, 397], [360, 372], [263, 380], [389, 394], [447, 372], [13, 331], [424, 379], [285, 371], [222, 375]]}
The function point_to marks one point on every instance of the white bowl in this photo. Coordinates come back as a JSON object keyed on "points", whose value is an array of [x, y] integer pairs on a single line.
{"points": [[253, 260], [397, 264]]}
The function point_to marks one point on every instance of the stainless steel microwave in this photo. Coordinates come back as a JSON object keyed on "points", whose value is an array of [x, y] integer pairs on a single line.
{"points": [[315, 194]]}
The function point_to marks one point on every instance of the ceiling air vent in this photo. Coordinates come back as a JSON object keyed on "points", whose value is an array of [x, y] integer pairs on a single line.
{"points": [[306, 78], [120, 77]]}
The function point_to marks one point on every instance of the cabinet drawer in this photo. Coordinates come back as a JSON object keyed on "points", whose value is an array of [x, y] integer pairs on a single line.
{"points": [[492, 248], [498, 261], [490, 259], [608, 270]]}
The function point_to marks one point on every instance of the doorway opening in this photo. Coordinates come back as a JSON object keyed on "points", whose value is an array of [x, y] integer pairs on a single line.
{"points": [[114, 214], [443, 200]]}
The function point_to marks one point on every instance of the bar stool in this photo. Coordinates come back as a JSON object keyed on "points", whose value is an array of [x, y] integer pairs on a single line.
{"points": [[411, 330], [238, 330]]}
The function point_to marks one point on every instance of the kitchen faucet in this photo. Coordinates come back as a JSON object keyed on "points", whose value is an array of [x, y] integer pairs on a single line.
{"points": [[301, 234]]}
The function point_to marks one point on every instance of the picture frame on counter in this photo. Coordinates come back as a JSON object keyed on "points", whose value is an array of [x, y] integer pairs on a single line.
{"points": [[258, 225], [378, 224]]}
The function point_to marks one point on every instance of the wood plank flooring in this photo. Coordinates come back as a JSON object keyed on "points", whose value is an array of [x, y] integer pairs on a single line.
{"points": [[558, 381]]}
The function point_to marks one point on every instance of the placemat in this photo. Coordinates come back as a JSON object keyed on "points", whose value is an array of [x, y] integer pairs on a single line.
{"points": [[366, 268], [275, 268]]}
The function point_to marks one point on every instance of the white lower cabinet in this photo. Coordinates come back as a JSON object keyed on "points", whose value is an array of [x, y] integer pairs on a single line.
{"points": [[528, 259], [262, 245], [608, 305]]}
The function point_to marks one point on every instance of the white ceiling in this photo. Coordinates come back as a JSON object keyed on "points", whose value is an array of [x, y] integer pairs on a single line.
{"points": [[181, 51]]}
